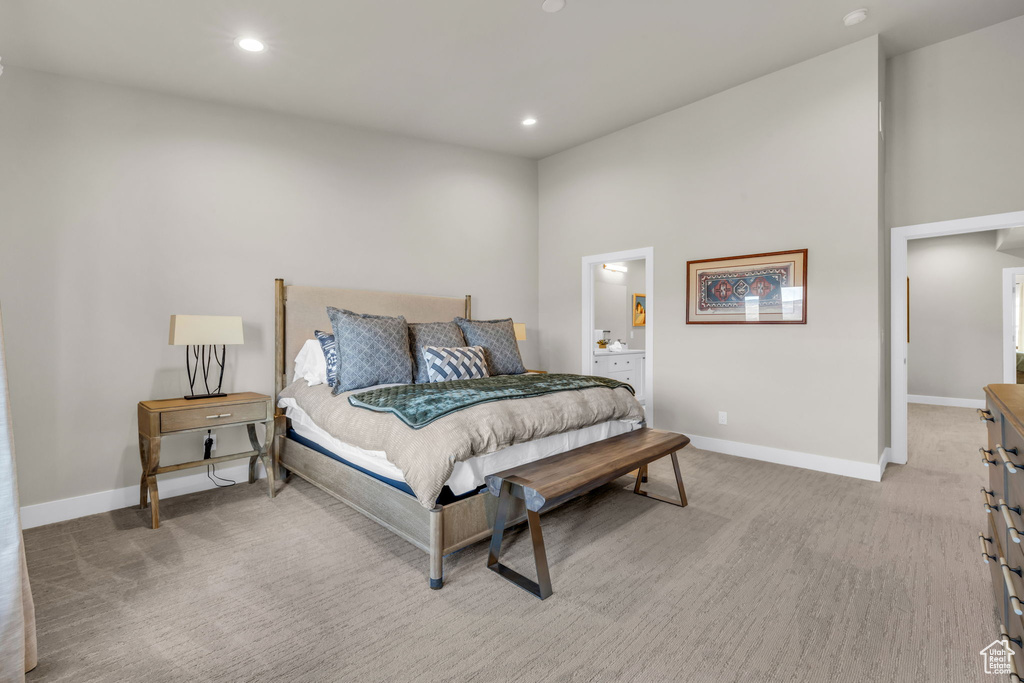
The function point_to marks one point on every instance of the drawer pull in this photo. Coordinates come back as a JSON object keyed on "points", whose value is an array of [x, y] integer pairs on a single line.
{"points": [[984, 548], [1014, 535], [985, 415], [1003, 635], [1015, 603], [985, 493], [985, 453], [1004, 456], [214, 417]]}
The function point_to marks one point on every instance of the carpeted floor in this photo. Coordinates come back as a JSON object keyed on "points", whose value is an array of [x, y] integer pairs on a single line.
{"points": [[771, 574]]}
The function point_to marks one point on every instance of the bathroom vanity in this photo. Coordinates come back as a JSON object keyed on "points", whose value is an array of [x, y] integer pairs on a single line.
{"points": [[626, 366]]}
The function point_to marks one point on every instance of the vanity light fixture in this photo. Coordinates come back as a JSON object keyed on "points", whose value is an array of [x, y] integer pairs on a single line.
{"points": [[250, 44], [855, 17], [615, 268], [529, 121]]}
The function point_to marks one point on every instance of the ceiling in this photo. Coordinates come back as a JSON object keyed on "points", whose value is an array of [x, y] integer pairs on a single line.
{"points": [[462, 71]]}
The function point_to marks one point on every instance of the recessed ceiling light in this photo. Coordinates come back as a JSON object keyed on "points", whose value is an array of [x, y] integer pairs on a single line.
{"points": [[552, 5], [529, 121], [250, 44], [855, 17]]}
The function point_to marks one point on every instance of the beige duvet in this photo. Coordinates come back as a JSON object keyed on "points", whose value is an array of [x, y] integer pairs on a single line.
{"points": [[426, 456]]}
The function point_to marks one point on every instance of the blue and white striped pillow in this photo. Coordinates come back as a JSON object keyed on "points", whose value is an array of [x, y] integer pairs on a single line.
{"points": [[448, 364], [330, 348]]}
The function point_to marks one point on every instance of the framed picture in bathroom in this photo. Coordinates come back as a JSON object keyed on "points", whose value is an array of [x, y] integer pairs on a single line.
{"points": [[752, 289], [639, 310]]}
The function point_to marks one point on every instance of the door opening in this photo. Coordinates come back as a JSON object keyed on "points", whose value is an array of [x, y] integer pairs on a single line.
{"points": [[617, 336]]}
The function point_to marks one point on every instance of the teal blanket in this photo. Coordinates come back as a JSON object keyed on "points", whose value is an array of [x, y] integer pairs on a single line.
{"points": [[417, 405]]}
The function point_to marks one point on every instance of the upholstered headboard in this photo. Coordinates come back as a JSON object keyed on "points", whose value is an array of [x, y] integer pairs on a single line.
{"points": [[301, 310]]}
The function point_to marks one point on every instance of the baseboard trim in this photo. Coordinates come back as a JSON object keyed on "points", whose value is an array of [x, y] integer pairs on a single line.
{"points": [[115, 499], [883, 461], [943, 401], [870, 471]]}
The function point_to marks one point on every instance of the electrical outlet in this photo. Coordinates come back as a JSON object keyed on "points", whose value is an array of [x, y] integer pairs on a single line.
{"points": [[213, 446], [723, 417]]}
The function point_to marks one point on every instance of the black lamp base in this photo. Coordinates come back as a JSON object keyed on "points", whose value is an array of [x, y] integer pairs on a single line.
{"points": [[195, 396]]}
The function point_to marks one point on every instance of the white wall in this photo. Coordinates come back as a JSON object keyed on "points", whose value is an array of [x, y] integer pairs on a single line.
{"points": [[956, 314], [955, 139], [120, 207], [788, 161]]}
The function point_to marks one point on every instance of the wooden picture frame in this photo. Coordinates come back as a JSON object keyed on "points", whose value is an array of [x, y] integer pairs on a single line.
{"points": [[753, 289], [639, 316]]}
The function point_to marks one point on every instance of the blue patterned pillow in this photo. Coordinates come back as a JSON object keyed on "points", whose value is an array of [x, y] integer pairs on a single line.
{"points": [[445, 335], [330, 348], [372, 349], [498, 337], [446, 365]]}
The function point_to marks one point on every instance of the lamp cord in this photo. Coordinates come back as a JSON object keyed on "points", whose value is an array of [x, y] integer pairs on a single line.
{"points": [[211, 469]]}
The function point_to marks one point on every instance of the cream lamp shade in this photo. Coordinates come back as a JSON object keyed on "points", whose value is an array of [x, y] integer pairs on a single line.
{"points": [[520, 331], [201, 330]]}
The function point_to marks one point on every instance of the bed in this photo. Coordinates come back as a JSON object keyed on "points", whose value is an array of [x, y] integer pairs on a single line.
{"points": [[439, 521]]}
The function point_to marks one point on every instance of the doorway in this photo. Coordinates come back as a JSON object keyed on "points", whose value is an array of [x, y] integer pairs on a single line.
{"points": [[1013, 325], [899, 238], [617, 335]]}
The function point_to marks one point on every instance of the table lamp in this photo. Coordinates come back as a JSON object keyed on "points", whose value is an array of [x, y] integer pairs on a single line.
{"points": [[201, 335]]}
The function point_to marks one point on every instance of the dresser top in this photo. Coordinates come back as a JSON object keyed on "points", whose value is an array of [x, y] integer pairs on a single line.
{"points": [[605, 352], [1010, 399]]}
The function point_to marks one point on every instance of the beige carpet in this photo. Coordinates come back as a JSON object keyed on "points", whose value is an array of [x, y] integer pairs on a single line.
{"points": [[771, 574]]}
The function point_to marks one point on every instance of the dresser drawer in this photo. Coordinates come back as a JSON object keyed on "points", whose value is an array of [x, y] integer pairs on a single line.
{"points": [[201, 418], [627, 376], [993, 550], [606, 364], [1013, 451], [1010, 527], [1013, 585], [1009, 631], [996, 473], [994, 422]]}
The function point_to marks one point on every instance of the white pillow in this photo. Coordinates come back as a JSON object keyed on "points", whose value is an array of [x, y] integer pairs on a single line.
{"points": [[310, 364]]}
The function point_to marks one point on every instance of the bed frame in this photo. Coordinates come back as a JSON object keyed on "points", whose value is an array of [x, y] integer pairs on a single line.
{"points": [[437, 532]]}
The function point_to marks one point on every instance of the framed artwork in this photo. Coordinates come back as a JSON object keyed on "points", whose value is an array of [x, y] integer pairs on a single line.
{"points": [[639, 310], [748, 290]]}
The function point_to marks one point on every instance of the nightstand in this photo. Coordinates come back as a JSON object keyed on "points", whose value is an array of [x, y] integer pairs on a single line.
{"points": [[158, 419]]}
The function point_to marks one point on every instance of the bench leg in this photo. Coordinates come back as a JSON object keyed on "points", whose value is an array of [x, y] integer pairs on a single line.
{"points": [[679, 484], [540, 588]]}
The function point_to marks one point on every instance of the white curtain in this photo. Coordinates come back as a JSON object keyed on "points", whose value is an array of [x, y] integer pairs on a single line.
{"points": [[17, 613]]}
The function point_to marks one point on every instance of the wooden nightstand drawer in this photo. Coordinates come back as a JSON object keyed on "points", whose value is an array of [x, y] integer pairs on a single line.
{"points": [[213, 416]]}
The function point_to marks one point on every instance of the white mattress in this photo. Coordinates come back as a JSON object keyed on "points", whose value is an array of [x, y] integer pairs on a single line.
{"points": [[468, 475]]}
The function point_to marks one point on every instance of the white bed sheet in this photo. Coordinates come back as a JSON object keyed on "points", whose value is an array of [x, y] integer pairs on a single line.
{"points": [[467, 475]]}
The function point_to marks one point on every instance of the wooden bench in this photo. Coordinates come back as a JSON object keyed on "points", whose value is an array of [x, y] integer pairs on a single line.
{"points": [[546, 483]]}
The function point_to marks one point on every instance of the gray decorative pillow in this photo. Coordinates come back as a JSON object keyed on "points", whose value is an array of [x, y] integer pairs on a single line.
{"points": [[445, 335], [372, 349], [498, 337], [448, 365]]}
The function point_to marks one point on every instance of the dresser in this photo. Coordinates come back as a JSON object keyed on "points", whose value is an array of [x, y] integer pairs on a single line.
{"points": [[1002, 498], [625, 366]]}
